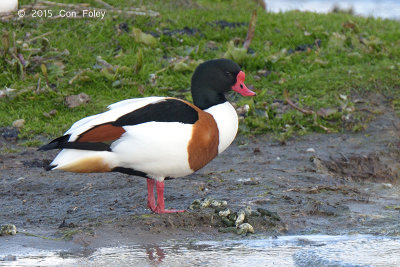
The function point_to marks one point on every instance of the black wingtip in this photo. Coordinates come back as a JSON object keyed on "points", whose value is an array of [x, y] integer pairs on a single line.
{"points": [[55, 144], [48, 147], [50, 167]]}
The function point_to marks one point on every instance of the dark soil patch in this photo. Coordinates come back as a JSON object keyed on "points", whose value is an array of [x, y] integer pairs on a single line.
{"points": [[184, 31], [226, 24], [370, 167]]}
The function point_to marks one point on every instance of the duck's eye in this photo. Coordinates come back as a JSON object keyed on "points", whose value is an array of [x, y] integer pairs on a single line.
{"points": [[229, 74]]}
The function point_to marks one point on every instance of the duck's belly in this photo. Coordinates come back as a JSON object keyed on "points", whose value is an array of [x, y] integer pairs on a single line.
{"points": [[159, 153]]}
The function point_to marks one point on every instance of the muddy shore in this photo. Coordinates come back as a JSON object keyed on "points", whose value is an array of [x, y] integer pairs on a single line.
{"points": [[320, 183]]}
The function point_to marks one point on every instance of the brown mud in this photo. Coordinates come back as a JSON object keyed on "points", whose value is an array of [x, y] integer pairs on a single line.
{"points": [[320, 183]]}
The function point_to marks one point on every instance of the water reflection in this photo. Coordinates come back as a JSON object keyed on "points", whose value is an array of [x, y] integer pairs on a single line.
{"points": [[155, 254], [281, 251]]}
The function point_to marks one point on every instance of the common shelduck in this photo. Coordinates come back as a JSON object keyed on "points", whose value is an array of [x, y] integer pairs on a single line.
{"points": [[157, 137]]}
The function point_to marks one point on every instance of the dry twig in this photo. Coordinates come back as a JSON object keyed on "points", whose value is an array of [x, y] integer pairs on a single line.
{"points": [[106, 5], [39, 36], [304, 111], [73, 79], [250, 31], [287, 99]]}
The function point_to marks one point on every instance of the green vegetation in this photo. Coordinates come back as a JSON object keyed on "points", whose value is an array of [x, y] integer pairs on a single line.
{"points": [[328, 63]]}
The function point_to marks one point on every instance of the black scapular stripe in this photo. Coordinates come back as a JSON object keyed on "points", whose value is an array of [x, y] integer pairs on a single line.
{"points": [[169, 110]]}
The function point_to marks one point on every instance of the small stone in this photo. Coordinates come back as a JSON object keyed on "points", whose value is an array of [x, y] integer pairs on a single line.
{"points": [[248, 210], [211, 45], [252, 181], [8, 229], [245, 228], [73, 101], [240, 217], [18, 123], [310, 150], [153, 79], [215, 203], [224, 213], [205, 203], [243, 110], [116, 83], [387, 185], [50, 113], [256, 77], [195, 204]]}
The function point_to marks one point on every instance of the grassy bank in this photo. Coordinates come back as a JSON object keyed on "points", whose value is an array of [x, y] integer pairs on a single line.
{"points": [[328, 64]]}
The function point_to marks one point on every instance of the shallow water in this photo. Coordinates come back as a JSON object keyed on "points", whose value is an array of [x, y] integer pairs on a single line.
{"points": [[315, 250], [377, 8]]}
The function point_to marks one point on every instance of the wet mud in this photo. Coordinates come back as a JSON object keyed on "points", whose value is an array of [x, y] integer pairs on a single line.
{"points": [[321, 183]]}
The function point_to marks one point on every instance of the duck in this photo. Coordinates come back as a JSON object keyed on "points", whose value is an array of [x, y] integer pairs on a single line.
{"points": [[157, 137]]}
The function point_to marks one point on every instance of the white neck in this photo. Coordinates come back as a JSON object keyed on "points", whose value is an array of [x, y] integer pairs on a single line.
{"points": [[227, 121]]}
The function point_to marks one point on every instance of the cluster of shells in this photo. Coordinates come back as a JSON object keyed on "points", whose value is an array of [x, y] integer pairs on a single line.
{"points": [[233, 221], [8, 229]]}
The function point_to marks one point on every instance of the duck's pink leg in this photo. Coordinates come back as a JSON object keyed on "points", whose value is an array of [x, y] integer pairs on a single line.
{"points": [[151, 201], [160, 200]]}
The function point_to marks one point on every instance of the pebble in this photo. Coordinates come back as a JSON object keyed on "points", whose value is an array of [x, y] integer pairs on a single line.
{"points": [[50, 113], [248, 211], [208, 202], [245, 228], [224, 213], [8, 229], [243, 110], [387, 186], [205, 203], [73, 101], [18, 123], [240, 217]]}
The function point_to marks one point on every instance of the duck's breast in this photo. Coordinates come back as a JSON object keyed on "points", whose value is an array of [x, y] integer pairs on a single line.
{"points": [[227, 121]]}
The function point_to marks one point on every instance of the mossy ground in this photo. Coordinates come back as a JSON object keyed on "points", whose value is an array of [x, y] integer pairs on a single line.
{"points": [[326, 62]]}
